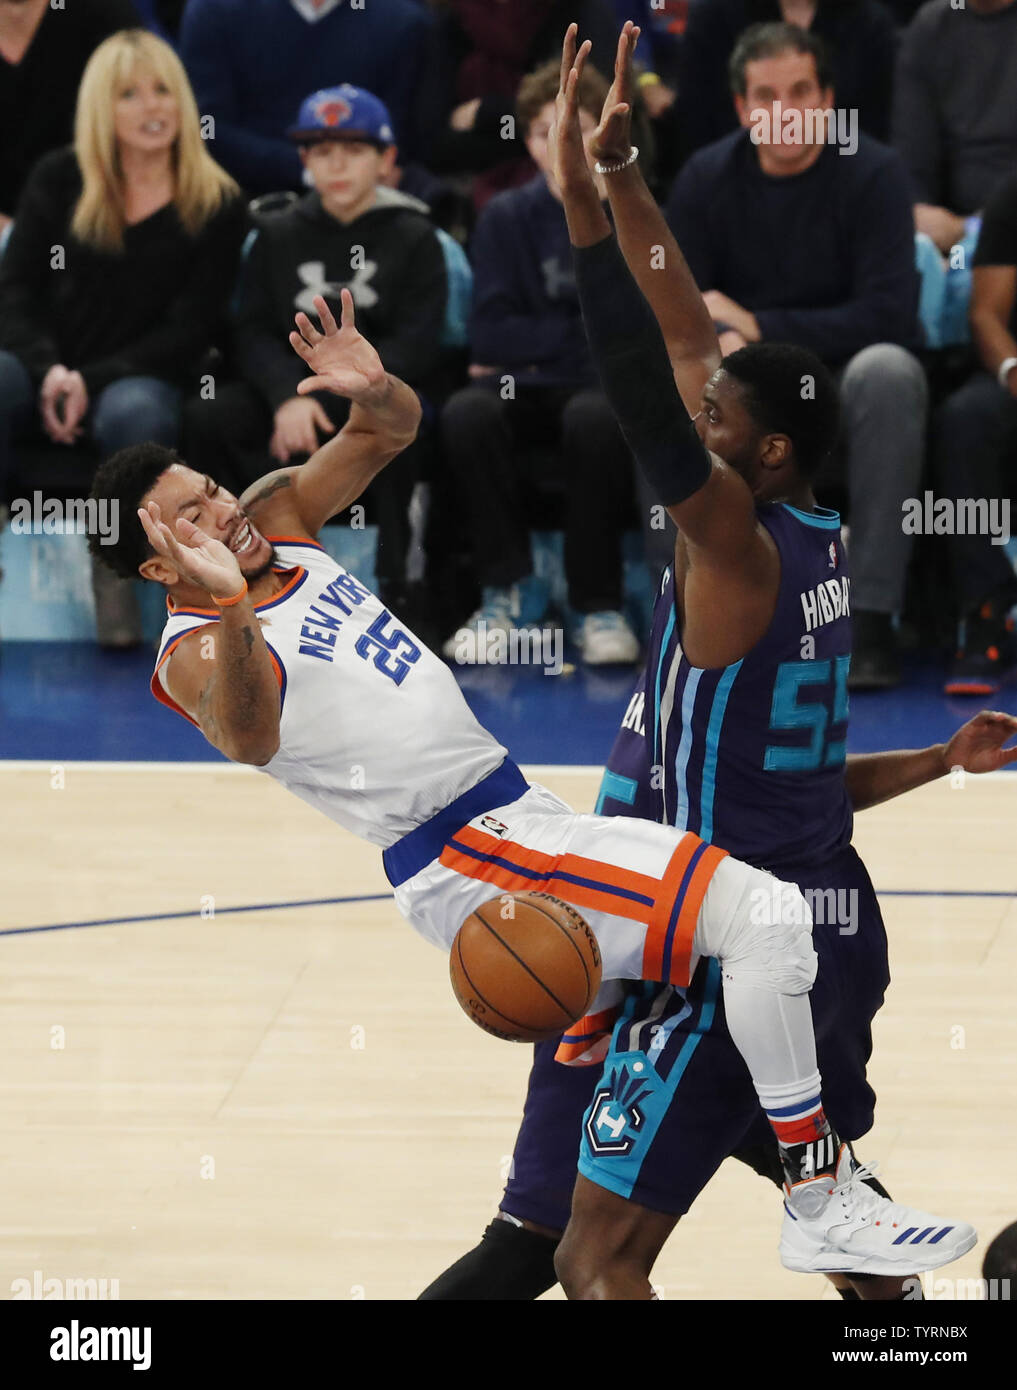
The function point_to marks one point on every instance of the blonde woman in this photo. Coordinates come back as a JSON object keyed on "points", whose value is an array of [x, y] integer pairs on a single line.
{"points": [[117, 273]]}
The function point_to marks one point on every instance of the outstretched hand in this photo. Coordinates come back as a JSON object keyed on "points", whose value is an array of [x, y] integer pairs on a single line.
{"points": [[565, 138], [612, 140], [196, 556], [343, 361], [977, 746]]}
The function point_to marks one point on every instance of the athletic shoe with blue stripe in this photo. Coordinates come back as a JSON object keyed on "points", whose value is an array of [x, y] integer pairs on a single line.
{"points": [[839, 1225]]}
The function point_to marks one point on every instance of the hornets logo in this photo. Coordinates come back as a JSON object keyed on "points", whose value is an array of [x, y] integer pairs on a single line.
{"points": [[615, 1119]]}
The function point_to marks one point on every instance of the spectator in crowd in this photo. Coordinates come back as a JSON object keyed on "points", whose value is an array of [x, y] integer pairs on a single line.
{"points": [[859, 35], [791, 240], [350, 231], [955, 110], [975, 453], [253, 61], [534, 384], [479, 54], [43, 52], [117, 273]]}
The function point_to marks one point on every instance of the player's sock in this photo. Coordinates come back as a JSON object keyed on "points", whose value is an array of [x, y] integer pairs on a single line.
{"points": [[510, 1264], [773, 1032]]}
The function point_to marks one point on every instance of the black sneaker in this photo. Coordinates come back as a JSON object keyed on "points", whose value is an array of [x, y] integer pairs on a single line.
{"points": [[874, 661], [988, 655]]}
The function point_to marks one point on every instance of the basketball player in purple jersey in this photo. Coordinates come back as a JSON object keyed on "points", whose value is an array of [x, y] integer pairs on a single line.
{"points": [[746, 745]]}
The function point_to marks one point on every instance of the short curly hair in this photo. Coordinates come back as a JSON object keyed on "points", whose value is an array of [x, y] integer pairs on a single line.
{"points": [[541, 86], [121, 481], [788, 390]]}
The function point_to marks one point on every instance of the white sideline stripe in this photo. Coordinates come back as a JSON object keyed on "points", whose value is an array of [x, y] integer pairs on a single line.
{"points": [[46, 764]]}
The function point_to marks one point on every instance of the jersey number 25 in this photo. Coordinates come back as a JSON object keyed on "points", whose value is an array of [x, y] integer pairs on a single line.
{"points": [[394, 652]]}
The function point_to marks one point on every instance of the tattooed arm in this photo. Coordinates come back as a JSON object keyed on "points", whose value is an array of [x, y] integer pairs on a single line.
{"points": [[222, 675]]}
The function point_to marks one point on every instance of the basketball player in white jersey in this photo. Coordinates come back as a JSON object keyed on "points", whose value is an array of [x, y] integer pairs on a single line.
{"points": [[285, 661]]}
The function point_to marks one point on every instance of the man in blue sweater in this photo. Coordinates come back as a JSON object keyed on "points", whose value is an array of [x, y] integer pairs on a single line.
{"points": [[796, 237], [251, 63], [535, 408]]}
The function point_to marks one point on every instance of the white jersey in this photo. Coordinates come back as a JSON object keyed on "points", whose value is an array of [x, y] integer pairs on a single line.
{"points": [[374, 730]]}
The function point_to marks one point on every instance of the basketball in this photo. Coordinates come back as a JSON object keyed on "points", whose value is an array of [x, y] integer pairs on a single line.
{"points": [[525, 966]]}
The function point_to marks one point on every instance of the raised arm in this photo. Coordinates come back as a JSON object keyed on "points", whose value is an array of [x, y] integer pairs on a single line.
{"points": [[733, 564], [383, 420], [977, 746], [651, 252]]}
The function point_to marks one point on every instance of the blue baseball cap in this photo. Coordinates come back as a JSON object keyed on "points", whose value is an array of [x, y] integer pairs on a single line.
{"points": [[343, 113]]}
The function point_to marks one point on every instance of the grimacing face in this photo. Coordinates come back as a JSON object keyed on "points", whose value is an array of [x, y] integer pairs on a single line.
{"points": [[182, 492]]}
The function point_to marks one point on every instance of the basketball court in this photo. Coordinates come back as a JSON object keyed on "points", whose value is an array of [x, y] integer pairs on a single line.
{"points": [[233, 1071]]}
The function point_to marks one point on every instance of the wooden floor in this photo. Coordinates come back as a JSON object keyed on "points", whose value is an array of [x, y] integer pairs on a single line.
{"points": [[287, 1102]]}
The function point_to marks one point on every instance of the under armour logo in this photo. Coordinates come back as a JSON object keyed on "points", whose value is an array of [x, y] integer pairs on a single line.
{"points": [[555, 278], [312, 275]]}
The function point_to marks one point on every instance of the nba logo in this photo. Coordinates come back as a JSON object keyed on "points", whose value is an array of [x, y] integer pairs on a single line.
{"points": [[833, 555]]}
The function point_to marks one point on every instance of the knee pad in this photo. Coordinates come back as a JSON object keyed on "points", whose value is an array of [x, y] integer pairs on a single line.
{"points": [[759, 928]]}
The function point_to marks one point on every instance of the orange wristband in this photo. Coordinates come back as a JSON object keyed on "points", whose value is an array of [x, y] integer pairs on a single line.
{"points": [[229, 602]]}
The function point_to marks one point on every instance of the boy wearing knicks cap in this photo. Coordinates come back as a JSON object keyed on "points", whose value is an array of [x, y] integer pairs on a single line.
{"points": [[349, 230]]}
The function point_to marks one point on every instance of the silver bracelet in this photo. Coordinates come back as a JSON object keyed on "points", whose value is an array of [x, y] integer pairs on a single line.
{"points": [[1005, 368], [599, 168]]}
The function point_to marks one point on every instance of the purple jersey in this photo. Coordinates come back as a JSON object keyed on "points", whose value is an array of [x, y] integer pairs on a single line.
{"points": [[751, 756]]}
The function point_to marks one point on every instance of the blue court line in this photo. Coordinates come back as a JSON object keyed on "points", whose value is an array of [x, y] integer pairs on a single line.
{"points": [[383, 897], [190, 912]]}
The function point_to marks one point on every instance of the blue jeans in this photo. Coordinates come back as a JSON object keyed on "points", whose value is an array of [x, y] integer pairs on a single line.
{"points": [[129, 411]]}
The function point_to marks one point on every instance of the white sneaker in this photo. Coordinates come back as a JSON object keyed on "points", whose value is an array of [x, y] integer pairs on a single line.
{"points": [[606, 639], [839, 1225], [484, 637]]}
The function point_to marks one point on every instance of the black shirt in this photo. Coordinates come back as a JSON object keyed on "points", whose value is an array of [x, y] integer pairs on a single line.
{"points": [[38, 95], [150, 310], [389, 257]]}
